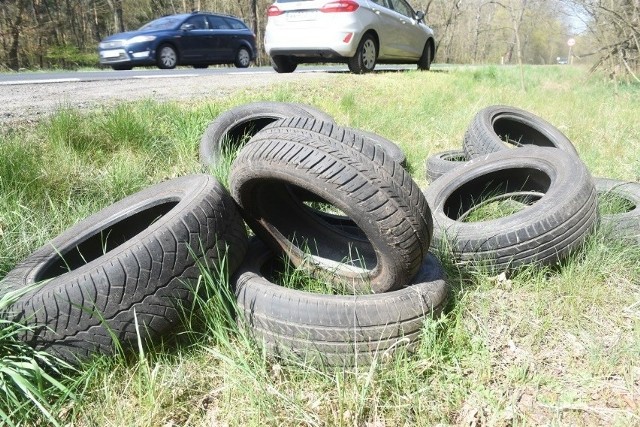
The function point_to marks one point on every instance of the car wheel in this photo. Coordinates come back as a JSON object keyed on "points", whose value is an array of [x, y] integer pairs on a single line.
{"points": [[201, 66], [122, 67], [424, 63], [243, 58], [167, 57], [364, 61], [283, 64], [334, 329]]}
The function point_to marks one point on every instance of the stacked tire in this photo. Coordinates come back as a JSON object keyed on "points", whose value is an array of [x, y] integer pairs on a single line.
{"points": [[374, 253], [509, 153]]}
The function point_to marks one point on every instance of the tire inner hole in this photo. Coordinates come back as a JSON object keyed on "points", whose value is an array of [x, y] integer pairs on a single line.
{"points": [[497, 194], [103, 241], [311, 228], [518, 134], [612, 204]]}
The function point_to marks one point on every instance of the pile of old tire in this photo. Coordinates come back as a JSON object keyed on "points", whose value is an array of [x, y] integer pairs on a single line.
{"points": [[509, 153], [126, 272], [374, 253]]}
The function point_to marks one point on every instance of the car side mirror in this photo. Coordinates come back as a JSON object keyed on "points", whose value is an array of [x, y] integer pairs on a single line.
{"points": [[187, 27], [420, 16]]}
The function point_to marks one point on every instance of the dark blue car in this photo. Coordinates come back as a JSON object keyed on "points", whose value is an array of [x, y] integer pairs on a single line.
{"points": [[198, 39]]}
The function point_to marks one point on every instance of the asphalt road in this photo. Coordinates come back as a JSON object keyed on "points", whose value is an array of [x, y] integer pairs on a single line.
{"points": [[27, 97]]}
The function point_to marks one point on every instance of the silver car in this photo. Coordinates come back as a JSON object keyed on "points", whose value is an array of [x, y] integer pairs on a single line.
{"points": [[358, 32]]}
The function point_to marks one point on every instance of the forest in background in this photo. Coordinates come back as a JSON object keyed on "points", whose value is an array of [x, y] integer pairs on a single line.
{"points": [[42, 34]]}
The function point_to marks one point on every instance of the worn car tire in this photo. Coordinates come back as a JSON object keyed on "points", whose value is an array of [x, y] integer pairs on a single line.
{"points": [[499, 127], [355, 177], [334, 329], [442, 162], [134, 260], [311, 126], [543, 232], [623, 226], [233, 127]]}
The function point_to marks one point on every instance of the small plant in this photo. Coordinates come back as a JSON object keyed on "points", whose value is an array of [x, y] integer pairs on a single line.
{"points": [[33, 383]]}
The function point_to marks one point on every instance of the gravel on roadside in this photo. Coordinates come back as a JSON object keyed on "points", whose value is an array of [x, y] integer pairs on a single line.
{"points": [[28, 103]]}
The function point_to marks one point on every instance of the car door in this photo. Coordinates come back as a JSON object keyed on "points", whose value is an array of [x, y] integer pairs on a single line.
{"points": [[222, 39], [408, 38], [195, 39]]}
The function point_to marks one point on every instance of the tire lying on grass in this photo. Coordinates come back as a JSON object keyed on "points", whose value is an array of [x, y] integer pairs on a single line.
{"points": [[233, 127], [623, 199], [499, 127], [557, 201], [355, 177], [442, 162], [130, 262], [334, 329], [305, 126]]}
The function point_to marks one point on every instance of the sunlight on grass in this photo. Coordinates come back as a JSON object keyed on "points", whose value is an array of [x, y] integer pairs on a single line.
{"points": [[539, 347]]}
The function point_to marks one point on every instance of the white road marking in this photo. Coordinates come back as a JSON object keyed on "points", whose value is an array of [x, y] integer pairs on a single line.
{"points": [[250, 72], [165, 76], [29, 82]]}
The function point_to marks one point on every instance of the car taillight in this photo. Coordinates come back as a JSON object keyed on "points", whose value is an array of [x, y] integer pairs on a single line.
{"points": [[340, 6], [274, 11]]}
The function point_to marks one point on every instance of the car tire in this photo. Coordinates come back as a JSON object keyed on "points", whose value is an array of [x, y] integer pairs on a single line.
{"points": [[126, 272], [622, 226], [167, 57], [313, 126], [442, 162], [201, 66], [424, 63], [364, 61], [339, 330], [230, 129], [355, 177], [122, 67], [243, 58], [283, 64], [493, 125], [544, 232]]}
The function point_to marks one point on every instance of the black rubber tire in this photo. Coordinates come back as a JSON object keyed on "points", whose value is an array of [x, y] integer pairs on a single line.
{"points": [[122, 67], [335, 329], [243, 58], [304, 125], [147, 271], [201, 66], [233, 127], [544, 232], [364, 61], [424, 63], [624, 226], [442, 162], [166, 57], [494, 125], [355, 177], [283, 64]]}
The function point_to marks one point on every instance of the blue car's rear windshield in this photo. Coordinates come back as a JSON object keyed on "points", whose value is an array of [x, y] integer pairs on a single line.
{"points": [[164, 23]]}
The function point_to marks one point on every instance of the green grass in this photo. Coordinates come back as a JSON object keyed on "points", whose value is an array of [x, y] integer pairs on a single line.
{"points": [[552, 347]]}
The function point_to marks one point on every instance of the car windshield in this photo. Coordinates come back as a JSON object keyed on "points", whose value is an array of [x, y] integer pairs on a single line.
{"points": [[164, 23]]}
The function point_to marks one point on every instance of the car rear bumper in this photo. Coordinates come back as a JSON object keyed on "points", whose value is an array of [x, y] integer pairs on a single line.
{"points": [[312, 43]]}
